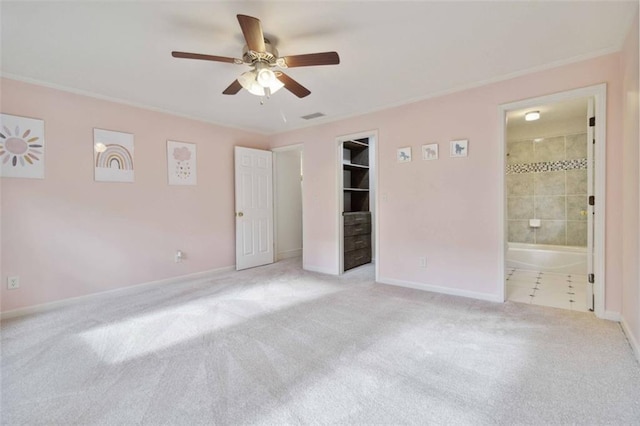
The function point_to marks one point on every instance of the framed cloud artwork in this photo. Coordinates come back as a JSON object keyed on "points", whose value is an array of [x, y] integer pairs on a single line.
{"points": [[21, 147], [181, 163], [113, 156]]}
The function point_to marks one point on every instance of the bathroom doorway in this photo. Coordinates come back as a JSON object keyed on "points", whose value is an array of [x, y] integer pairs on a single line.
{"points": [[553, 151]]}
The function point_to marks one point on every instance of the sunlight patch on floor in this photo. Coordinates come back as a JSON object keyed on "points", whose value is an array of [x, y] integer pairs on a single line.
{"points": [[164, 328]]}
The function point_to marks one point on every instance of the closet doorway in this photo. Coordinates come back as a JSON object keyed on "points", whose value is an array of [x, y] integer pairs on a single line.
{"points": [[357, 201], [288, 192]]}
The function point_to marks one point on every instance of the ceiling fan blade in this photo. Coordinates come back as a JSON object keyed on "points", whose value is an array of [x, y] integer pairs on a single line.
{"points": [[187, 55], [292, 85], [233, 88], [324, 58], [252, 31]]}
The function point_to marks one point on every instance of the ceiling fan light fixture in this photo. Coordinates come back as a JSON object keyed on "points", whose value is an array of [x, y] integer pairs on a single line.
{"points": [[265, 77], [251, 81], [532, 116]]}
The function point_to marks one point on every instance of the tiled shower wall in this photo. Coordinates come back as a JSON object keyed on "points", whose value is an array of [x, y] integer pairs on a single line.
{"points": [[547, 180]]}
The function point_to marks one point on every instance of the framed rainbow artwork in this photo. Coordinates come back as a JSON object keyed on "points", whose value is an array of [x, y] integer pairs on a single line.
{"points": [[112, 156], [21, 147]]}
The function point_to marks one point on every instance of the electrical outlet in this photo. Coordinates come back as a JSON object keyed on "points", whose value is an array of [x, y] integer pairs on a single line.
{"points": [[179, 256], [423, 261], [13, 283]]}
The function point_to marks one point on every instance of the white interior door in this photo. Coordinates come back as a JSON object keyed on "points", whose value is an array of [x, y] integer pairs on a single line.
{"points": [[254, 207], [590, 205]]}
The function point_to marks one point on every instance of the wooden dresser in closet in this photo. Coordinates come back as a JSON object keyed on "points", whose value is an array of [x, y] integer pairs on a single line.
{"points": [[357, 239]]}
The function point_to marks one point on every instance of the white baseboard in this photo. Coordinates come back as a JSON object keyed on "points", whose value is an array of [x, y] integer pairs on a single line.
{"points": [[287, 254], [197, 276], [320, 269], [444, 290], [632, 340], [611, 316]]}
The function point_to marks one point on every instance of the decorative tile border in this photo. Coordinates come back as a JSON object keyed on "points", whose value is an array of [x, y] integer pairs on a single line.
{"points": [[547, 166]]}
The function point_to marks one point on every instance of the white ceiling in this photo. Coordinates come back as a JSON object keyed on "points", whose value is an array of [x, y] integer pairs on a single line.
{"points": [[391, 52]]}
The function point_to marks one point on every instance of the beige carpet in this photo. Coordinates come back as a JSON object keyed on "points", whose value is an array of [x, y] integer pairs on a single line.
{"points": [[278, 345]]}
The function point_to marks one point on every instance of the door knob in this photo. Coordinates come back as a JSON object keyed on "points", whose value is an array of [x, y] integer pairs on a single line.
{"points": [[240, 214]]}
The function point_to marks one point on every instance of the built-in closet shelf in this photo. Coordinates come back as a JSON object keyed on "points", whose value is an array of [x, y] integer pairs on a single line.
{"points": [[351, 166], [357, 189], [354, 145]]}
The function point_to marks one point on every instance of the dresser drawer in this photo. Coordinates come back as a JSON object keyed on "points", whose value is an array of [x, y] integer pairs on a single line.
{"points": [[357, 242], [355, 218], [362, 228], [356, 258]]}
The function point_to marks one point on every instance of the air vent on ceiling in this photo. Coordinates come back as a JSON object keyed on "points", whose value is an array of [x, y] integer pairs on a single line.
{"points": [[312, 116]]}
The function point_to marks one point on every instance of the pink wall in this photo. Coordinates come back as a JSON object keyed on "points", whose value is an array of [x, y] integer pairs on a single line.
{"points": [[448, 210], [68, 236], [631, 188]]}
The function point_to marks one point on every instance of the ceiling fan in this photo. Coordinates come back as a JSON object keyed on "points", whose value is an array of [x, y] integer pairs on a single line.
{"points": [[264, 78]]}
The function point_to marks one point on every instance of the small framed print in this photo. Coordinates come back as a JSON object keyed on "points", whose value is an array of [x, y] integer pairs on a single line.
{"points": [[181, 163], [430, 151], [404, 155], [459, 148], [112, 156], [21, 147]]}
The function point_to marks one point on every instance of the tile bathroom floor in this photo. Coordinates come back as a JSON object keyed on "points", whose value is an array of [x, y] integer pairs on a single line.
{"points": [[547, 289]]}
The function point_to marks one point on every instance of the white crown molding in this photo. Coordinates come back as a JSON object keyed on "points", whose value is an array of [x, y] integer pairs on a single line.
{"points": [[101, 97], [331, 119], [457, 89]]}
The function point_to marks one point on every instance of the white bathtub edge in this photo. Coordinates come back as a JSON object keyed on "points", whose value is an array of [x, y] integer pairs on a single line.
{"points": [[547, 258], [547, 247]]}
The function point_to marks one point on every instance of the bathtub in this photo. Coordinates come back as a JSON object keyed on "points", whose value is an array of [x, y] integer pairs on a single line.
{"points": [[547, 258]]}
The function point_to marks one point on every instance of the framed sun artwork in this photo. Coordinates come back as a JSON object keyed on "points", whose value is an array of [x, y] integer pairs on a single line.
{"points": [[21, 147], [181, 163]]}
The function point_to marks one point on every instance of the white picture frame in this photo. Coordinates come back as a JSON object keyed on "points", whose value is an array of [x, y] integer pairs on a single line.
{"points": [[430, 151], [182, 163], [21, 147], [404, 154], [459, 148], [112, 156]]}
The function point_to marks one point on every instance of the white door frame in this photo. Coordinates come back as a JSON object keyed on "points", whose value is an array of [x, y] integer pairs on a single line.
{"points": [[375, 202], [599, 94], [296, 147]]}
